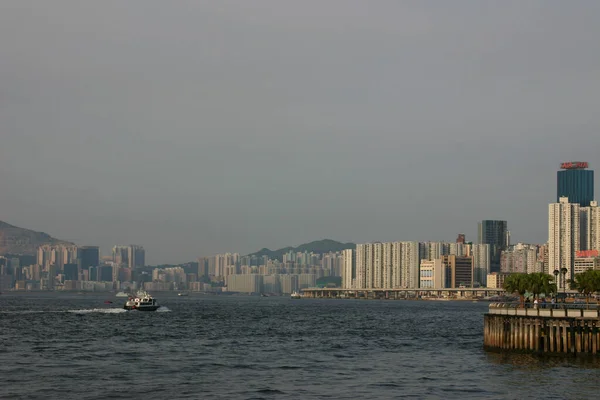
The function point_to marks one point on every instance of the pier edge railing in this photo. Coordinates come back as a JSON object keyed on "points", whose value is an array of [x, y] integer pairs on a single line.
{"points": [[567, 329]]}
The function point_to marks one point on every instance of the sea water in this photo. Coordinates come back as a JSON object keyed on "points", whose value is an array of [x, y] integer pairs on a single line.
{"points": [[70, 346]]}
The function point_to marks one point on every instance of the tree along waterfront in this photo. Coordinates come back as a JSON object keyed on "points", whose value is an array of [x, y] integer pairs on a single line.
{"points": [[586, 283]]}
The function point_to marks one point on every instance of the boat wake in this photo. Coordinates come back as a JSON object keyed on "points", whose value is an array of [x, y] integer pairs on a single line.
{"points": [[29, 312], [112, 310], [100, 310]]}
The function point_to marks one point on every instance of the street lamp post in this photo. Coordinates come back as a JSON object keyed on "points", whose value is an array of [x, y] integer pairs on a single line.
{"points": [[556, 282], [563, 273]]}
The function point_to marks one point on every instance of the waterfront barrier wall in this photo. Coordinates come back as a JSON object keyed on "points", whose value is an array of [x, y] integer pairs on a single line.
{"points": [[566, 329], [398, 294]]}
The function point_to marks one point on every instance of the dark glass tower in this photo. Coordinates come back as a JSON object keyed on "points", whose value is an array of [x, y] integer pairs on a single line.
{"points": [[88, 256], [575, 182], [494, 233]]}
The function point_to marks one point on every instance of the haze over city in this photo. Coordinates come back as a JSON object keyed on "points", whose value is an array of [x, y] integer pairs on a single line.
{"points": [[196, 128]]}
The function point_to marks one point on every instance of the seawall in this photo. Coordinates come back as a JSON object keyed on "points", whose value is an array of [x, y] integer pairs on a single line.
{"points": [[566, 331]]}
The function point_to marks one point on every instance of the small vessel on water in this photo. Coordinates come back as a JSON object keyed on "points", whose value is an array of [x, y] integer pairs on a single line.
{"points": [[296, 295], [122, 294], [183, 294], [143, 301]]}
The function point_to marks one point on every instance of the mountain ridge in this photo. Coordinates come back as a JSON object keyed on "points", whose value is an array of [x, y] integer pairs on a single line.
{"points": [[316, 246], [17, 240]]}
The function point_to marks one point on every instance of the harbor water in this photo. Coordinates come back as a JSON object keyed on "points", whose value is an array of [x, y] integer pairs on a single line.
{"points": [[77, 346]]}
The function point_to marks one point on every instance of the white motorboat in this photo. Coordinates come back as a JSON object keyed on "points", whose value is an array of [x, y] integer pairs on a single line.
{"points": [[142, 301], [296, 295]]}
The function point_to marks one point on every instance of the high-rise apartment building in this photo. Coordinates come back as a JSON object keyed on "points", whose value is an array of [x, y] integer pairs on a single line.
{"points": [[120, 255], [57, 255], [459, 249], [481, 263], [289, 283], [433, 250], [521, 258], [589, 224], [409, 264], [348, 268], [575, 182], [251, 283], [221, 262], [563, 236], [361, 265], [494, 233], [137, 256], [130, 256], [386, 265]]}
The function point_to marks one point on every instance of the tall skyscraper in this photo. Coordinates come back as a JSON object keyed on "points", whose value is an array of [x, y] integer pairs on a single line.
{"points": [[575, 182], [137, 256], [589, 224], [119, 255], [348, 268], [409, 264], [563, 236], [481, 263], [494, 233], [130, 256], [88, 256]]}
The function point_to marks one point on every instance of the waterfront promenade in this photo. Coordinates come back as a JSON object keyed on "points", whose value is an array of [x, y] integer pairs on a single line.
{"points": [[400, 294]]}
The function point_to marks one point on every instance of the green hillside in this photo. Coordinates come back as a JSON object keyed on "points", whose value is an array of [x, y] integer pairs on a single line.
{"points": [[317, 247]]}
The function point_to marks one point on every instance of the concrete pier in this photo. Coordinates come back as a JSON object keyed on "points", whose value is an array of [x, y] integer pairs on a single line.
{"points": [[400, 294], [574, 330]]}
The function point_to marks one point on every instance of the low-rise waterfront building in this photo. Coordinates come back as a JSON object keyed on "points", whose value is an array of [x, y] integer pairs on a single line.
{"points": [[495, 280], [431, 274], [458, 271], [586, 260]]}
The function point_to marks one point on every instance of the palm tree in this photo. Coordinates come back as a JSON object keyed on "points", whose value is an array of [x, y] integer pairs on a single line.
{"points": [[586, 283], [519, 283], [541, 283]]}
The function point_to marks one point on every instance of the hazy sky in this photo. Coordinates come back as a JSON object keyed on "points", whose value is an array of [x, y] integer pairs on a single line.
{"points": [[198, 127]]}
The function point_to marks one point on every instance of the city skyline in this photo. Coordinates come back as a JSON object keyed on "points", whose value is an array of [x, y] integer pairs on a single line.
{"points": [[495, 233], [204, 128], [476, 238]]}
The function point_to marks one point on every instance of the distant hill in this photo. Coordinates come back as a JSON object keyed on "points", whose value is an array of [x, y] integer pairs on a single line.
{"points": [[15, 240], [317, 247]]}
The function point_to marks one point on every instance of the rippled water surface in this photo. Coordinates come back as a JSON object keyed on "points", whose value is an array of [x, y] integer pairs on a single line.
{"points": [[71, 346]]}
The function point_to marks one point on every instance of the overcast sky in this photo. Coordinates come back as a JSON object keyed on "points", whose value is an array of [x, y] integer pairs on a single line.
{"points": [[199, 127]]}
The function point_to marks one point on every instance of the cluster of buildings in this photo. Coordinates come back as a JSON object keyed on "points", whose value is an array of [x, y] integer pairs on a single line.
{"points": [[573, 246], [573, 231], [428, 265], [573, 223], [81, 268], [260, 274], [70, 267]]}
